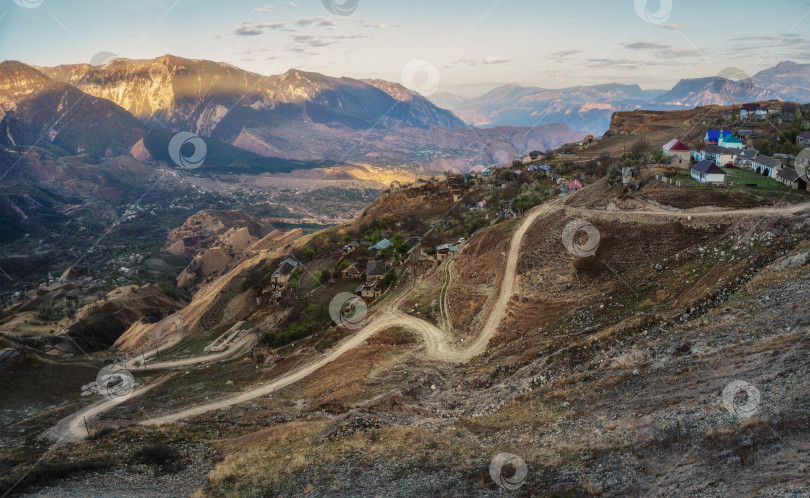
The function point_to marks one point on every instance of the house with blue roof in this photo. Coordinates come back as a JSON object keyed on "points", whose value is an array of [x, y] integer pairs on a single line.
{"points": [[731, 142], [547, 170], [713, 136]]}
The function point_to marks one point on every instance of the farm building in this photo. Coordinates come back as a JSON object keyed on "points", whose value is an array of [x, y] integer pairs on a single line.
{"points": [[284, 272], [791, 178], [375, 271], [355, 271]]}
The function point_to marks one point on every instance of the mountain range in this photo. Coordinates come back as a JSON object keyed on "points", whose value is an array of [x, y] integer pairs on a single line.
{"points": [[256, 123], [589, 108], [250, 122]]}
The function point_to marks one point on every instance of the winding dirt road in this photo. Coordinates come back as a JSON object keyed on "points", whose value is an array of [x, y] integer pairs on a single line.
{"points": [[437, 345]]}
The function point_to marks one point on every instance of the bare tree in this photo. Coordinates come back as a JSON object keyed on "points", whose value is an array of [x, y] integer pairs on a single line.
{"points": [[641, 149]]}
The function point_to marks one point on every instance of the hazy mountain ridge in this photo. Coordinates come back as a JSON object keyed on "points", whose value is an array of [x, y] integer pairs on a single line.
{"points": [[586, 108], [590, 108]]}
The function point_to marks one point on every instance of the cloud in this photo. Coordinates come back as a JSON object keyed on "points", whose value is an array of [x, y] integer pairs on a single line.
{"points": [[644, 45], [676, 27], [664, 50], [367, 24], [474, 62], [563, 55], [786, 39], [677, 53], [320, 21], [496, 60], [624, 64], [466, 62], [248, 28], [260, 10], [312, 41], [248, 31], [303, 43]]}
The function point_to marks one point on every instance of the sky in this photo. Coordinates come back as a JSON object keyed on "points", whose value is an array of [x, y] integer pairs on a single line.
{"points": [[466, 47]]}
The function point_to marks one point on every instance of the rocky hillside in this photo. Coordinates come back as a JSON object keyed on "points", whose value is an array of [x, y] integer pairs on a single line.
{"points": [[715, 91], [35, 109], [213, 240], [299, 115], [220, 101], [662, 354]]}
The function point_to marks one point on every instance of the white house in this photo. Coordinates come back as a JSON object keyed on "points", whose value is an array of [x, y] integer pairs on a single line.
{"points": [[719, 155], [679, 152], [708, 172], [765, 165], [752, 110]]}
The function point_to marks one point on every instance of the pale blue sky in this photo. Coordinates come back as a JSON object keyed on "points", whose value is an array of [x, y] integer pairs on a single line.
{"points": [[474, 44]]}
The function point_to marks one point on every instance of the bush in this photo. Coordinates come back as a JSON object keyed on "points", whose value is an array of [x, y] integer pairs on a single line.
{"points": [[314, 319], [162, 456], [170, 290], [50, 314]]}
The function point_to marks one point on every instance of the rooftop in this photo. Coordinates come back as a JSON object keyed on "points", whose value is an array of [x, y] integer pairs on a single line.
{"points": [[676, 145], [708, 167]]}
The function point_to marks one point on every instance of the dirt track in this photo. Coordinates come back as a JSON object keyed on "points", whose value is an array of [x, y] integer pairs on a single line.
{"points": [[437, 345]]}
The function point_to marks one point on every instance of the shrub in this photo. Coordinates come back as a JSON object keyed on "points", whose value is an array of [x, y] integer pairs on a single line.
{"points": [[162, 456]]}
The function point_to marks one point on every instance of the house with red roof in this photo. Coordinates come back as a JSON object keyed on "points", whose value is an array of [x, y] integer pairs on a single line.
{"points": [[678, 151], [574, 185]]}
